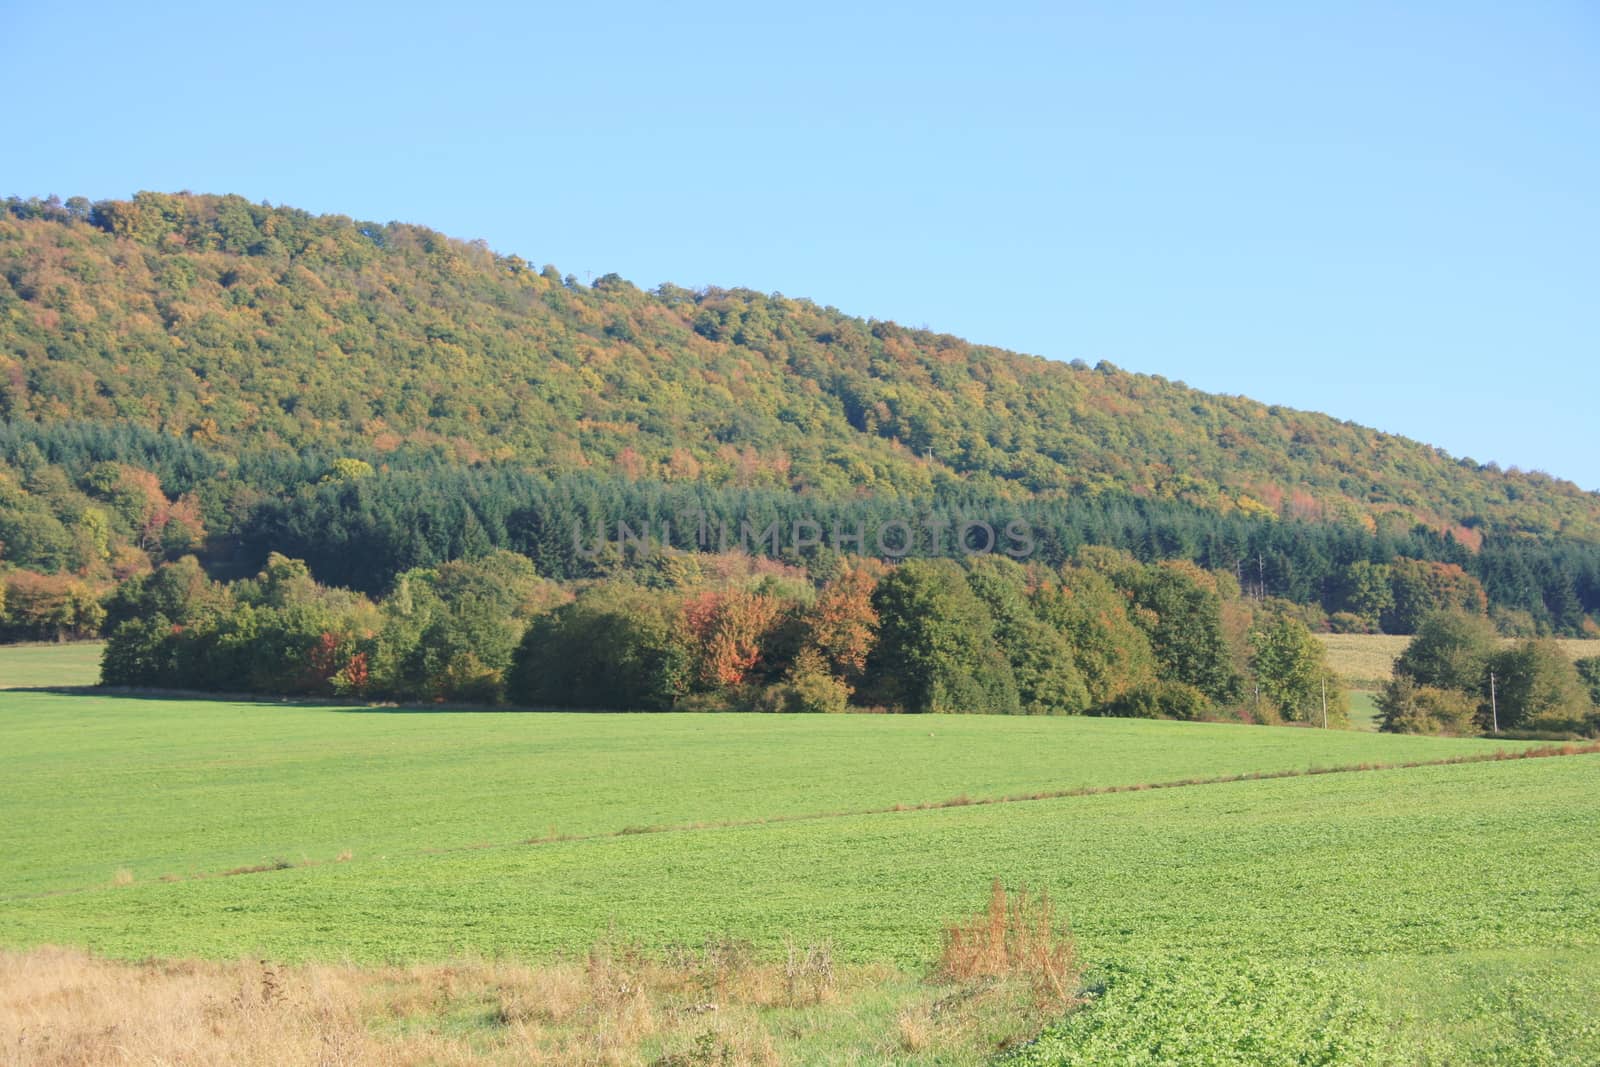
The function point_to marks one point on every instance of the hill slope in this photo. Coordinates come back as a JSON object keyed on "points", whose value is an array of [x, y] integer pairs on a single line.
{"points": [[244, 328]]}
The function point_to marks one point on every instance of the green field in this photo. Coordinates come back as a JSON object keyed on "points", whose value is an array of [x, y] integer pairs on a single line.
{"points": [[1364, 713], [187, 787], [37, 666], [1437, 914]]}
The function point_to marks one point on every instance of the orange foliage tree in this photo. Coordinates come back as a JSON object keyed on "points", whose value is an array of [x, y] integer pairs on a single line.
{"points": [[843, 622], [729, 629]]}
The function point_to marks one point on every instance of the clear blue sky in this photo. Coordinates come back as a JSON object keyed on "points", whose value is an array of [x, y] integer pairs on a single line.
{"points": [[1389, 212]]}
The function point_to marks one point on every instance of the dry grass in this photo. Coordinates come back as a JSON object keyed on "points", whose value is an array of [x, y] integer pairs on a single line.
{"points": [[1015, 938], [715, 1004], [60, 1007], [1579, 648], [64, 1007], [915, 1031], [1364, 661]]}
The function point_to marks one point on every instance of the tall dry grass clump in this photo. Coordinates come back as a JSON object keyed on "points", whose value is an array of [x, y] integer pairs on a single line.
{"points": [[1014, 938]]}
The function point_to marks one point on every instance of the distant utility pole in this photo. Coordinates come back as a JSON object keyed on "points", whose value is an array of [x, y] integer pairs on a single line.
{"points": [[1324, 702], [1494, 704]]}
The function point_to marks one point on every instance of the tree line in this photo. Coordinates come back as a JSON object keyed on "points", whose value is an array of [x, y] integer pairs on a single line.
{"points": [[1101, 635], [362, 531]]}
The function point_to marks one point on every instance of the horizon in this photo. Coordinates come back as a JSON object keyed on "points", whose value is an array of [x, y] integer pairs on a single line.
{"points": [[1218, 201]]}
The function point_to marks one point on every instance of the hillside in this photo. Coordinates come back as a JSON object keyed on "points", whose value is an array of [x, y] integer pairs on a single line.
{"points": [[242, 328]]}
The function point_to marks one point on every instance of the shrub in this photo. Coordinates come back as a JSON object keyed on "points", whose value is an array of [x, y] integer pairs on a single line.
{"points": [[1161, 700], [1348, 622], [1408, 708], [809, 687]]}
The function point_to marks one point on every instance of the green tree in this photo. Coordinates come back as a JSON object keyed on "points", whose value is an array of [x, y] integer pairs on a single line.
{"points": [[1365, 591], [451, 632], [1112, 655], [1451, 650], [937, 650], [1181, 611], [617, 646], [1291, 669], [34, 538], [140, 652], [1048, 681], [1589, 671], [1538, 688], [180, 591]]}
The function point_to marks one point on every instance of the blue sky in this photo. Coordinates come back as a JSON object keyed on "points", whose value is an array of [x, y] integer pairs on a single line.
{"points": [[1387, 212]]}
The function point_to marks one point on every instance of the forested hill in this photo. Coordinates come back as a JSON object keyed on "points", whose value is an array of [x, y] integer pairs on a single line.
{"points": [[241, 328]]}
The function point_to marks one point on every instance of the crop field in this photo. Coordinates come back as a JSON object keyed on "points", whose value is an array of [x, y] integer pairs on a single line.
{"points": [[189, 787], [1444, 913], [1364, 661]]}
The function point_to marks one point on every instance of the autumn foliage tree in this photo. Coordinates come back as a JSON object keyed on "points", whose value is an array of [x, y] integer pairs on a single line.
{"points": [[1422, 587], [727, 631], [842, 625]]}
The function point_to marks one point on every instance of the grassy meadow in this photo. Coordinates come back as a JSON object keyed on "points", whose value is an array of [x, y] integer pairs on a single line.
{"points": [[452, 886], [38, 666]]}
